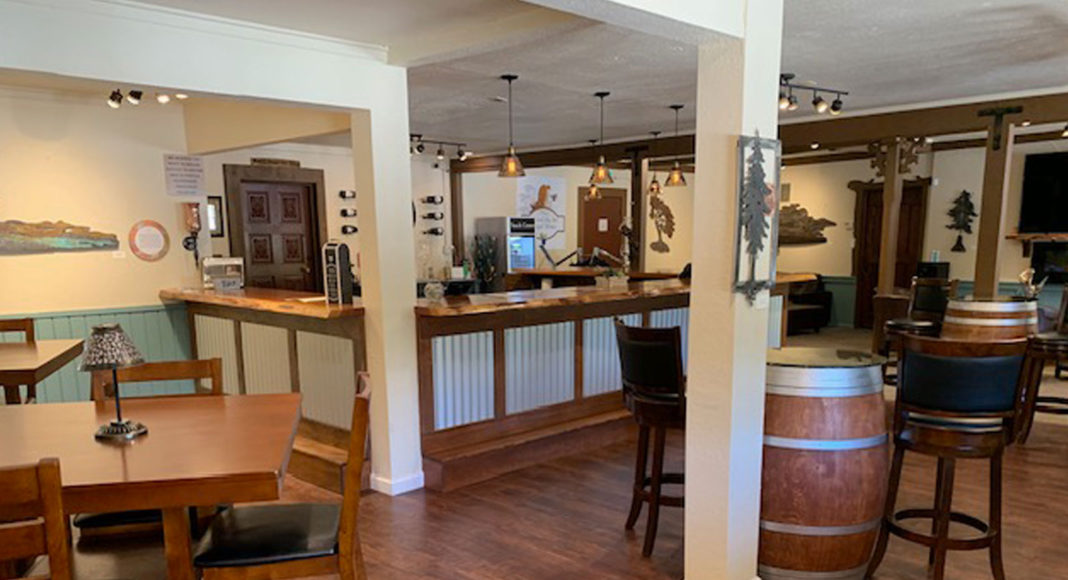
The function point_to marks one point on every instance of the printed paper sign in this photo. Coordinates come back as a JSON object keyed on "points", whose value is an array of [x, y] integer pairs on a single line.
{"points": [[184, 174], [544, 199]]}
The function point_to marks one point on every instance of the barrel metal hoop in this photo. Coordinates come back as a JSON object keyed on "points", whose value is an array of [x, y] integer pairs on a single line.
{"points": [[799, 530], [1022, 306], [773, 573], [815, 380], [825, 444], [990, 321], [824, 393]]}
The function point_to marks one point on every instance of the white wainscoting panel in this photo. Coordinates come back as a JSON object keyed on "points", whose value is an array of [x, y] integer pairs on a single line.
{"points": [[215, 339], [540, 365], [463, 378], [327, 370], [675, 317], [600, 354], [266, 355]]}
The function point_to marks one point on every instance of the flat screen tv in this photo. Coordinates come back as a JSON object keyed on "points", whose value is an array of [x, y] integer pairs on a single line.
{"points": [[1050, 260], [1044, 208]]}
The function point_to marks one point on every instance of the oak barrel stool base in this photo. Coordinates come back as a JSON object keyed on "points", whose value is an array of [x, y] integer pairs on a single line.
{"points": [[825, 464], [1001, 318]]}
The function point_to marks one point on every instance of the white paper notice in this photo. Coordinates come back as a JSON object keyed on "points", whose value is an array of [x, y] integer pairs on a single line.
{"points": [[185, 174], [602, 225]]}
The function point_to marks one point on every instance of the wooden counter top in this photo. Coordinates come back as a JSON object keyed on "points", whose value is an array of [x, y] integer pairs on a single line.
{"points": [[265, 300], [586, 272], [531, 299]]}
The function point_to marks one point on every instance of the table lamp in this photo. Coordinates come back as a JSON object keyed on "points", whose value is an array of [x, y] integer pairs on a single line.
{"points": [[110, 348]]}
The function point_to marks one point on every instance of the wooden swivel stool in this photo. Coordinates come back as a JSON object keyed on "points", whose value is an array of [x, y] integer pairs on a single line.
{"points": [[955, 400], [654, 392]]}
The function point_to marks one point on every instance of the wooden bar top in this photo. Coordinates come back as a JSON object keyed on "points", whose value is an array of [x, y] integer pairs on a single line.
{"points": [[587, 272], [531, 299], [267, 300]]}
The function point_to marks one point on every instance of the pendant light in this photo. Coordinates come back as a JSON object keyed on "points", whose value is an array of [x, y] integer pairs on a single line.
{"points": [[593, 192], [654, 185], [510, 165], [676, 178], [601, 174]]}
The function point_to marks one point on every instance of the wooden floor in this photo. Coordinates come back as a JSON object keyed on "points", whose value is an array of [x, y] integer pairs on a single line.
{"points": [[564, 520]]}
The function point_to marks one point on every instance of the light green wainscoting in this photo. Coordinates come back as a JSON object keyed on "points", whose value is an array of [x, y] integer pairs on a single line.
{"points": [[160, 331], [844, 289]]}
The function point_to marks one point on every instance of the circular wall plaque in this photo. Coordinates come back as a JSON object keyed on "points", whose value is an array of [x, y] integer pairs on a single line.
{"points": [[149, 241]]}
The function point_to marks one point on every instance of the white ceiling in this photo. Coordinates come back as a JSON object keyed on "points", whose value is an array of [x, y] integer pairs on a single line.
{"points": [[887, 54]]}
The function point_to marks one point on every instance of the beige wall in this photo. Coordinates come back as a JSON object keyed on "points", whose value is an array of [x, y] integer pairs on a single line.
{"points": [[680, 200], [69, 157]]}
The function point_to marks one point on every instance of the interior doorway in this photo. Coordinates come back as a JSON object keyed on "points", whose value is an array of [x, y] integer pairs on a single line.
{"points": [[600, 219], [277, 221], [867, 232]]}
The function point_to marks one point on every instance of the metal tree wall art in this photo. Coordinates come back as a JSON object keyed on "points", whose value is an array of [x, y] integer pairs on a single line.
{"points": [[664, 220], [962, 212], [756, 238]]}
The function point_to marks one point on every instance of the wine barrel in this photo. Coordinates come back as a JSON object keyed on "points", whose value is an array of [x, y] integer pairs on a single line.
{"points": [[826, 462], [992, 319]]}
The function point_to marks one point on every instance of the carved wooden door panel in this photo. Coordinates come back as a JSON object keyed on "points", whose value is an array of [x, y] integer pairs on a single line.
{"points": [[278, 236]]}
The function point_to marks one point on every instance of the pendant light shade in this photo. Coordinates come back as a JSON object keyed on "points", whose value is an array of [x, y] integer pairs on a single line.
{"points": [[676, 178], [654, 185], [511, 166], [593, 193], [601, 173]]}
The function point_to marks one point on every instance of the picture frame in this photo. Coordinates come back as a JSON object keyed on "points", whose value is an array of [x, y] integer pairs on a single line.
{"points": [[756, 235], [214, 216]]}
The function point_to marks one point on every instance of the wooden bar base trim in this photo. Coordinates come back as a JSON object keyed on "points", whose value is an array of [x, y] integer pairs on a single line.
{"points": [[451, 469]]}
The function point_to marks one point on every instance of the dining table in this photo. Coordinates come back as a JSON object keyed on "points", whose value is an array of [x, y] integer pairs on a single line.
{"points": [[199, 451], [28, 363]]}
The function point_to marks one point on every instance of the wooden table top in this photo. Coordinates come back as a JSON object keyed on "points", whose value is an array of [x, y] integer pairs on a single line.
{"points": [[267, 300], [25, 363], [198, 449], [529, 299]]}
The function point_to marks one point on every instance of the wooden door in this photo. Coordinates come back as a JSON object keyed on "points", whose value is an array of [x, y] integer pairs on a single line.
{"points": [[279, 231], [599, 220], [868, 231]]}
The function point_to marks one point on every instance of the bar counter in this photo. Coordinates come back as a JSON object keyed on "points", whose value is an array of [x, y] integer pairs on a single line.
{"points": [[280, 341]]}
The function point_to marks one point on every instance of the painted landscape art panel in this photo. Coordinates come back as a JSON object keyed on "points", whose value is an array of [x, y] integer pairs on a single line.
{"points": [[18, 237]]}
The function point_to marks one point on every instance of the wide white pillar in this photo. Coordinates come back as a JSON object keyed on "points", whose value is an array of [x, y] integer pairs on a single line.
{"points": [[736, 94], [387, 268]]}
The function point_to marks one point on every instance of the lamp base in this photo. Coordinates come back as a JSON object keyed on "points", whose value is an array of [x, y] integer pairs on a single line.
{"points": [[121, 431]]}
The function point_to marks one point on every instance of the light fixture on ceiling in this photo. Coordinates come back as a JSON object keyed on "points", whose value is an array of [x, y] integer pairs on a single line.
{"points": [[441, 153], [594, 191], [163, 98], [1025, 123], [814, 145], [115, 99], [654, 185], [462, 154], [601, 174], [789, 102], [181, 96], [511, 166], [1064, 133], [134, 97], [675, 178]]}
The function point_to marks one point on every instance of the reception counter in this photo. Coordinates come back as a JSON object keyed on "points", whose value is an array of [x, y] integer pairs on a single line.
{"points": [[279, 341]]}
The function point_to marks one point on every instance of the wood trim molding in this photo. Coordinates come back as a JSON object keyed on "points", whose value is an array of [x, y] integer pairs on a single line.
{"points": [[613, 152]]}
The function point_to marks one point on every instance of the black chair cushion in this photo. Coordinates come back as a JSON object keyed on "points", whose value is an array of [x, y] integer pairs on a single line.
{"points": [[268, 534], [96, 521], [959, 384]]}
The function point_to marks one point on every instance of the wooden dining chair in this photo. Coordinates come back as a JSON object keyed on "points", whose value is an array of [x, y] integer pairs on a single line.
{"points": [[274, 541], [148, 521], [25, 326], [32, 523]]}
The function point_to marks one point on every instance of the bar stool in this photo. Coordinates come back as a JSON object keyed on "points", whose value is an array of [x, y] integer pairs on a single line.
{"points": [[1042, 348], [955, 400], [928, 298], [654, 392]]}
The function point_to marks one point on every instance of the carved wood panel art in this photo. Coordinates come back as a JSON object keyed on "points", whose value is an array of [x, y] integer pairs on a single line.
{"points": [[259, 207], [260, 245], [18, 237], [290, 207], [796, 226], [293, 248]]}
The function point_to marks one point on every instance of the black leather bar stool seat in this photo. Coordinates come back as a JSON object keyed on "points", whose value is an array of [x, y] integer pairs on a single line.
{"points": [[654, 391]]}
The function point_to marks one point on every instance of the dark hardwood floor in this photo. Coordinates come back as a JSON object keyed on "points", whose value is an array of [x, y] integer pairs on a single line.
{"points": [[564, 520]]}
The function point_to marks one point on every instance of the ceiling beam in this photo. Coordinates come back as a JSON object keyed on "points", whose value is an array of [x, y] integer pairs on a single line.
{"points": [[929, 122], [586, 155]]}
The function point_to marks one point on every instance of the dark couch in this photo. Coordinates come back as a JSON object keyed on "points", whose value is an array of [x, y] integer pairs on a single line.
{"points": [[808, 307]]}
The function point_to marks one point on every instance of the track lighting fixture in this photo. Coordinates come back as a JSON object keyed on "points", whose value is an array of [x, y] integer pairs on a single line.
{"points": [[462, 154], [511, 166], [789, 102], [115, 99], [181, 96], [134, 97], [814, 145], [601, 173], [417, 144], [419, 147], [163, 98], [675, 178], [441, 153], [1064, 133], [654, 185]]}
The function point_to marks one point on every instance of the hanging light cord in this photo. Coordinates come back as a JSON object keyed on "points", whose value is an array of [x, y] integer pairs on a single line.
{"points": [[602, 120], [511, 140]]}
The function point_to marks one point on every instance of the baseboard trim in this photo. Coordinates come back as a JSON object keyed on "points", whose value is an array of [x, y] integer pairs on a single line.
{"points": [[398, 486]]}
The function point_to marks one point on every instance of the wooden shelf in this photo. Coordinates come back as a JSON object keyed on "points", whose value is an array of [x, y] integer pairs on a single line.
{"points": [[1038, 237]]}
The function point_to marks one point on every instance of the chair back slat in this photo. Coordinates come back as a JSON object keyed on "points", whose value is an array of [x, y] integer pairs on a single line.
{"points": [[348, 538], [31, 516], [197, 370], [23, 325]]}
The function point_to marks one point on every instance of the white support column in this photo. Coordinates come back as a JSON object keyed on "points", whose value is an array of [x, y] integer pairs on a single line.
{"points": [[736, 94], [387, 256]]}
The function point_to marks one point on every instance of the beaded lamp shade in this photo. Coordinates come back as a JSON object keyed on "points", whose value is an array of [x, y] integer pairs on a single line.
{"points": [[110, 348]]}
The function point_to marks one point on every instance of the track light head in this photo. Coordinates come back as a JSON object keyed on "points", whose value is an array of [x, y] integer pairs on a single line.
{"points": [[181, 96], [115, 99], [163, 98], [134, 97], [793, 104], [462, 154], [784, 101], [441, 153], [819, 104], [1064, 133], [419, 147], [836, 106]]}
